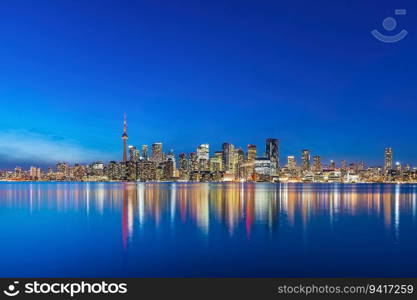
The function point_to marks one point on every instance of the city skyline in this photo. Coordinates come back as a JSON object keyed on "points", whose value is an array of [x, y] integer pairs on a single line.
{"points": [[272, 151], [231, 163], [237, 72]]}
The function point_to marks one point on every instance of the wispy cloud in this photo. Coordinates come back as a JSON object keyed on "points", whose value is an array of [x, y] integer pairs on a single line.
{"points": [[23, 146]]}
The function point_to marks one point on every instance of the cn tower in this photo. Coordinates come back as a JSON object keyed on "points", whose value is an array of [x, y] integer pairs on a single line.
{"points": [[124, 138]]}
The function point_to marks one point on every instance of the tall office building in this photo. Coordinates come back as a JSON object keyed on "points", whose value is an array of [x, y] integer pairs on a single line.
{"points": [[145, 152], [203, 152], [193, 165], [251, 152], [124, 138], [388, 159], [272, 151], [317, 167], [157, 155], [133, 154], [305, 160], [171, 158], [227, 159], [291, 164], [216, 162], [343, 165]]}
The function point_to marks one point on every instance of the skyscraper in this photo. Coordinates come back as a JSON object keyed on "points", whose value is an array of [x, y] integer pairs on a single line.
{"points": [[145, 152], [388, 159], [305, 160], [227, 159], [203, 152], [272, 151], [157, 155], [134, 154], [291, 164], [124, 138], [317, 167], [343, 165], [251, 152]]}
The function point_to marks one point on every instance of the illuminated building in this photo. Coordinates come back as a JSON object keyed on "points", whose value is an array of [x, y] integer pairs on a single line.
{"points": [[124, 138], [332, 165], [251, 152], [239, 163], [343, 165], [216, 162], [114, 171], [169, 167], [35, 173], [183, 164], [272, 152], [157, 155], [388, 159], [134, 154], [291, 164], [183, 167], [203, 152], [262, 168], [62, 168], [305, 160], [398, 166], [145, 152], [317, 167], [194, 165], [147, 171], [97, 168], [227, 157]]}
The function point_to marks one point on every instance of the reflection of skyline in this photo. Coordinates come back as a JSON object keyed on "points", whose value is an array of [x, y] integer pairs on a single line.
{"points": [[204, 205]]}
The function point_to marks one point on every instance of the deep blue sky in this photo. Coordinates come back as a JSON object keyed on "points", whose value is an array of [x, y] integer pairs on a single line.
{"points": [[186, 73]]}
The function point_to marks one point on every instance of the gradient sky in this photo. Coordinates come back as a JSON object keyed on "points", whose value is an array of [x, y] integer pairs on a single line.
{"points": [[186, 73]]}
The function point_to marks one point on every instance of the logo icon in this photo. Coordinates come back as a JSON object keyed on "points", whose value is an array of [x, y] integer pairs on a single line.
{"points": [[390, 24], [11, 290]]}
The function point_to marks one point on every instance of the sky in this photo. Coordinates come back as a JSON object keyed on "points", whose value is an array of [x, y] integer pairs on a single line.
{"points": [[190, 72]]}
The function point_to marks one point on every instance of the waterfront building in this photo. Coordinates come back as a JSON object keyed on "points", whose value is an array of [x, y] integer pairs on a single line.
{"points": [[317, 167], [388, 159], [305, 160], [332, 165], [291, 164], [194, 165], [134, 154], [227, 157], [145, 152], [272, 152], [216, 162], [146, 171], [263, 168], [251, 152], [157, 154], [203, 152]]}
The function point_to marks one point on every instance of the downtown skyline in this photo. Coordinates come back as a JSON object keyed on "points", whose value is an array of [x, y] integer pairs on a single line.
{"points": [[296, 156], [231, 163]]}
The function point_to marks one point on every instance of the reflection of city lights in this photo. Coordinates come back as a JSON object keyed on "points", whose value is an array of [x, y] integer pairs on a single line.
{"points": [[238, 208]]}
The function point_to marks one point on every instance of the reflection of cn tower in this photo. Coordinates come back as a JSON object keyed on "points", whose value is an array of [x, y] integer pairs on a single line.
{"points": [[124, 219], [124, 138], [129, 202]]}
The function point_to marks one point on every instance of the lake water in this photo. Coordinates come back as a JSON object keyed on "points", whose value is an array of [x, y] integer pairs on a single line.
{"points": [[207, 230]]}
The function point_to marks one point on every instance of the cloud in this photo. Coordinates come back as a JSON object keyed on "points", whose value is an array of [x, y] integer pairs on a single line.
{"points": [[25, 147]]}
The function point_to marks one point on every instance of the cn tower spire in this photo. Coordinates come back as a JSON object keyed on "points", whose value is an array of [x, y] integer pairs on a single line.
{"points": [[124, 138]]}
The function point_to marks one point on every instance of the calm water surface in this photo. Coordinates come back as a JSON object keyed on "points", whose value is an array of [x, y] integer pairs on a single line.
{"points": [[187, 230]]}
